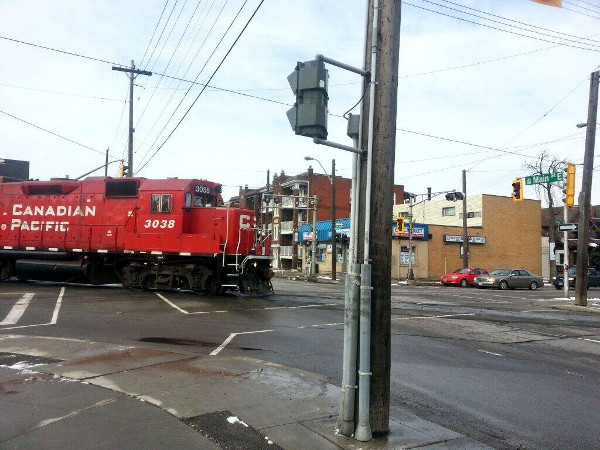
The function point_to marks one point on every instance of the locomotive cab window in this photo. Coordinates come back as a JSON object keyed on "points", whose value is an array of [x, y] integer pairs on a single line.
{"points": [[160, 203]]}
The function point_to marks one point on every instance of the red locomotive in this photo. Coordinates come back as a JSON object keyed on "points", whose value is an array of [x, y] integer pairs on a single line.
{"points": [[145, 234]]}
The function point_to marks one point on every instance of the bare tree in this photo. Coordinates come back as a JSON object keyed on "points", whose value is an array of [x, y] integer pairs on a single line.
{"points": [[550, 193]]}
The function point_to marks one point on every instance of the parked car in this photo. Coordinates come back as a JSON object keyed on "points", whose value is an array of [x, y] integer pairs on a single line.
{"points": [[593, 278], [509, 279], [462, 277]]}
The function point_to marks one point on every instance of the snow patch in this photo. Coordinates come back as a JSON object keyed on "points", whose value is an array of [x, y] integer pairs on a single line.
{"points": [[233, 419], [21, 365]]}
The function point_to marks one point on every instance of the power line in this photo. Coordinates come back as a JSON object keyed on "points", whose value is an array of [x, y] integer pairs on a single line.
{"points": [[462, 142], [496, 28], [154, 32], [506, 18], [168, 102], [209, 80], [60, 92], [55, 134], [172, 56], [91, 58], [198, 75], [161, 34], [584, 2]]}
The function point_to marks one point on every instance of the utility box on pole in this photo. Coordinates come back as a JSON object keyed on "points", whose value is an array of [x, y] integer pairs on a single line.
{"points": [[308, 116]]}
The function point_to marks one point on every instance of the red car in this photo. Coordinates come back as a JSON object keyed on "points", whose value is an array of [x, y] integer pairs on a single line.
{"points": [[463, 277]]}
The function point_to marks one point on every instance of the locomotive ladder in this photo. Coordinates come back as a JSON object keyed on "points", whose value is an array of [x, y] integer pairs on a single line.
{"points": [[235, 276]]}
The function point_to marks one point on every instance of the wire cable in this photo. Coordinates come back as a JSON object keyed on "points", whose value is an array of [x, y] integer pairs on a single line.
{"points": [[154, 32], [198, 75], [56, 134], [506, 18], [91, 58], [171, 58], [498, 29], [60, 92], [209, 80], [170, 99]]}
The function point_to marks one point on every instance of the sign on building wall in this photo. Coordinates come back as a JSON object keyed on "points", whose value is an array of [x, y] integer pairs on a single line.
{"points": [[459, 239]]}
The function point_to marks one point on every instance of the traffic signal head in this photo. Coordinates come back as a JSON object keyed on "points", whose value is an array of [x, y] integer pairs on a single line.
{"points": [[453, 196], [570, 191], [308, 116], [517, 190], [400, 224], [122, 169]]}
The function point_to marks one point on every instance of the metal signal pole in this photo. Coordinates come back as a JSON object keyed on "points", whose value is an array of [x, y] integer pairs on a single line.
{"points": [[333, 242], [133, 72], [465, 244], [586, 194]]}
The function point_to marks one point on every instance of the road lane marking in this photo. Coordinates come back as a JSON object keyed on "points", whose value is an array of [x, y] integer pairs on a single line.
{"points": [[490, 353], [217, 350], [54, 318], [165, 299], [433, 317], [57, 307], [183, 311], [590, 340], [321, 325], [18, 310]]}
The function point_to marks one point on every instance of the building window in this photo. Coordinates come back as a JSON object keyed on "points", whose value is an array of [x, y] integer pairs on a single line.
{"points": [[160, 203], [404, 256], [449, 211]]}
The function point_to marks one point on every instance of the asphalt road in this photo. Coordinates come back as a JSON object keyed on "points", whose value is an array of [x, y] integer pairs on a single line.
{"points": [[502, 367]]}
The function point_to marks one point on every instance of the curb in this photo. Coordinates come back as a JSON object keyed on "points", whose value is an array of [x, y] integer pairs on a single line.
{"points": [[587, 309]]}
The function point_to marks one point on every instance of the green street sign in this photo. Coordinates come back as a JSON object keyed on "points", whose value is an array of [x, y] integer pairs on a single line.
{"points": [[544, 178]]}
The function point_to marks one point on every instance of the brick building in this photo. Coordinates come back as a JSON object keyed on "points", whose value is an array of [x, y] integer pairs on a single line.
{"points": [[287, 203], [502, 234]]}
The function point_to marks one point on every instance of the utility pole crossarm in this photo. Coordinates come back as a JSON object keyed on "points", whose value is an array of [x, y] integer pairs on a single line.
{"points": [[131, 70]]}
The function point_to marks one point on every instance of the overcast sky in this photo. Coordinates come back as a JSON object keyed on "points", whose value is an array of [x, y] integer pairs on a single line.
{"points": [[458, 80]]}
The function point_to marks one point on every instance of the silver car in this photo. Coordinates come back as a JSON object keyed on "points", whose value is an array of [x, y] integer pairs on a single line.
{"points": [[509, 279]]}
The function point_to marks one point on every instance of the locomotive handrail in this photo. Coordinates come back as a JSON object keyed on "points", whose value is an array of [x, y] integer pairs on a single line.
{"points": [[226, 237]]}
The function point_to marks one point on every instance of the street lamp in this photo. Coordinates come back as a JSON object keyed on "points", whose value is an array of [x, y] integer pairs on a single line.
{"points": [[333, 242]]}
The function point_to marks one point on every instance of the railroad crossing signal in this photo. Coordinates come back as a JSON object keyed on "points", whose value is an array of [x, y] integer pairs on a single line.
{"points": [[517, 190], [309, 82], [570, 191]]}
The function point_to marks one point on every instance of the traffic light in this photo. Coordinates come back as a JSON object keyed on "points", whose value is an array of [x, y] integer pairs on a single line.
{"points": [[122, 169], [308, 116], [517, 190], [570, 198], [400, 224], [454, 196]]}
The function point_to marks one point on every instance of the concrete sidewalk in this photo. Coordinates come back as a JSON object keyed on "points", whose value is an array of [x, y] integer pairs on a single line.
{"points": [[71, 393]]}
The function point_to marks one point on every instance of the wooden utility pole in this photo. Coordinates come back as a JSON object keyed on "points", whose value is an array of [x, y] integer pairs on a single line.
{"points": [[586, 194], [382, 195], [133, 73], [465, 243], [333, 242]]}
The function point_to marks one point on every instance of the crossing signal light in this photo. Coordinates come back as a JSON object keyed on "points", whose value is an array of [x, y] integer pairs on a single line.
{"points": [[400, 224], [308, 116], [517, 190], [570, 198]]}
